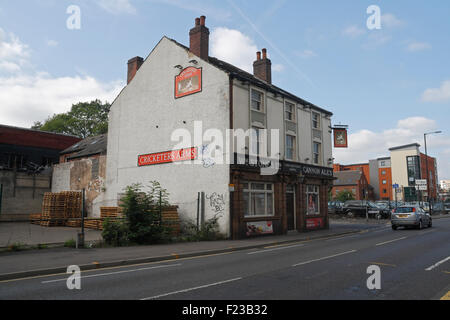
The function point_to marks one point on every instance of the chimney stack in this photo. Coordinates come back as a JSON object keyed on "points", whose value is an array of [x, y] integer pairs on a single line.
{"points": [[199, 39], [133, 66], [262, 68]]}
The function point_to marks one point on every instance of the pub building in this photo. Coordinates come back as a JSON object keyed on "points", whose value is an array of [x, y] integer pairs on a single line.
{"points": [[177, 87]]}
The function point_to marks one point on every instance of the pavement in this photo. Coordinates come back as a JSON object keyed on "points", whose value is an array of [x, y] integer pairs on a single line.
{"points": [[29, 234], [330, 264]]}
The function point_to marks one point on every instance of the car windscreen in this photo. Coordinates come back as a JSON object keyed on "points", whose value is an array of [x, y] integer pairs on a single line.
{"points": [[404, 210]]}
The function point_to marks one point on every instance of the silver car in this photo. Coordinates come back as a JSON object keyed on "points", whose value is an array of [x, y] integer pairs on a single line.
{"points": [[410, 216]]}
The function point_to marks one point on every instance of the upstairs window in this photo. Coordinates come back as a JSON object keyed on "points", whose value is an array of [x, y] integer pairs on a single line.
{"points": [[290, 147], [289, 111], [315, 120], [257, 101]]}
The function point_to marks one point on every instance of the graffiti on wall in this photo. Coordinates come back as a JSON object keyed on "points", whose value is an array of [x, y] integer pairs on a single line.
{"points": [[217, 202], [207, 161]]}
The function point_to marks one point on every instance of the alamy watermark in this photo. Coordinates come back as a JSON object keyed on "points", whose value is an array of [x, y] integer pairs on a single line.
{"points": [[74, 281], [374, 281], [73, 22], [374, 20]]}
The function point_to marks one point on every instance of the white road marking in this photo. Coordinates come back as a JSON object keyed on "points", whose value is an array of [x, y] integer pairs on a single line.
{"points": [[346, 237], [113, 273], [437, 264], [386, 242], [191, 289], [332, 256], [280, 248]]}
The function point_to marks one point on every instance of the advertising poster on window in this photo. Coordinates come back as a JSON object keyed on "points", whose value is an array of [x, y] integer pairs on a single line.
{"points": [[340, 138], [259, 228], [313, 203], [189, 81], [314, 223]]}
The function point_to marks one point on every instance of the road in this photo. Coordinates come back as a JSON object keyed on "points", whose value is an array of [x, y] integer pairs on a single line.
{"points": [[414, 264]]}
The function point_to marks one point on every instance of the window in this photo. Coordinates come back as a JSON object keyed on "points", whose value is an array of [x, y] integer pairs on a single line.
{"points": [[257, 102], [383, 172], [312, 198], [290, 147], [258, 199], [315, 120], [384, 191], [413, 165], [289, 111], [316, 153], [384, 181], [383, 163], [354, 191]]}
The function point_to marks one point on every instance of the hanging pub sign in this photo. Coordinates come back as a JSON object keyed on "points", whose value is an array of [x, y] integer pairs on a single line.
{"points": [[340, 138], [167, 157], [189, 81]]}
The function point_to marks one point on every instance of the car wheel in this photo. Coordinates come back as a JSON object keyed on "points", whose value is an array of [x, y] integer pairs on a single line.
{"points": [[394, 227], [350, 214], [420, 225], [378, 216], [430, 224]]}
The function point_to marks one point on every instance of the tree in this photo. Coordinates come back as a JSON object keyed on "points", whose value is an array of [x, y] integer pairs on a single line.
{"points": [[85, 119], [345, 195]]}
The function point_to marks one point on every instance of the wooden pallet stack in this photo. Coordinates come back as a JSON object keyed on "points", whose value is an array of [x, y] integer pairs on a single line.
{"points": [[35, 218], [171, 219], [59, 208], [53, 210]]}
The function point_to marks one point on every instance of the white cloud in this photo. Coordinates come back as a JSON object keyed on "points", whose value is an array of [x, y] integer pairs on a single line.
{"points": [[418, 46], [306, 54], [353, 31], [26, 97], [29, 98], [365, 145], [441, 94], [233, 47], [13, 53], [389, 20], [117, 6]]}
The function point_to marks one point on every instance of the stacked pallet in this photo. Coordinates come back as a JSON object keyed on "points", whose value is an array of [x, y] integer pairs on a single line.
{"points": [[171, 219], [35, 218], [57, 208], [73, 223], [95, 224], [52, 210]]}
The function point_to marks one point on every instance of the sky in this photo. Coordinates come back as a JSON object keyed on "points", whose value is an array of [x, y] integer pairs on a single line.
{"points": [[389, 85]]}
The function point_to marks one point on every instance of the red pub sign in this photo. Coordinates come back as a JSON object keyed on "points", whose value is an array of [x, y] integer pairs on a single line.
{"points": [[167, 157], [189, 81], [340, 138]]}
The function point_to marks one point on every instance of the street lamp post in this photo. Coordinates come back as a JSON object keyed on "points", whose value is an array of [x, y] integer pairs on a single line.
{"points": [[426, 165]]}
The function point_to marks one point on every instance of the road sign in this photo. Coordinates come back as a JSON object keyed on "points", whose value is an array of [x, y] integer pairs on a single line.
{"points": [[421, 182], [421, 188], [395, 186]]}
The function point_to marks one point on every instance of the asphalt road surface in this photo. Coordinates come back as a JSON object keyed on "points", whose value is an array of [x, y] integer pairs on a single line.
{"points": [[414, 264]]}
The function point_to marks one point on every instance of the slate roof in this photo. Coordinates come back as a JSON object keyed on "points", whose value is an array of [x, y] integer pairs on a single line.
{"points": [[242, 75], [88, 147], [405, 146], [347, 178]]}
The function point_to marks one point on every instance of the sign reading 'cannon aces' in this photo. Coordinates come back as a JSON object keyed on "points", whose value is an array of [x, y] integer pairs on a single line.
{"points": [[188, 82]]}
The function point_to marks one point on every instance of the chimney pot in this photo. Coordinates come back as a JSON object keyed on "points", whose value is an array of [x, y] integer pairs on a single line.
{"points": [[258, 56], [197, 21], [264, 51], [202, 20]]}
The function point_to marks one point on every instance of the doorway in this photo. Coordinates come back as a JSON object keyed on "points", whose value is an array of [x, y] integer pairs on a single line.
{"points": [[290, 208]]}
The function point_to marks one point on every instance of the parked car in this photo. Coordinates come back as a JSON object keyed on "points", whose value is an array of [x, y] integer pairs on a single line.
{"points": [[355, 208], [335, 207], [447, 207], [410, 216]]}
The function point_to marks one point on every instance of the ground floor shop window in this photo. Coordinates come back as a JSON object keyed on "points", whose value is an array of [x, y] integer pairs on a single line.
{"points": [[312, 198], [258, 199]]}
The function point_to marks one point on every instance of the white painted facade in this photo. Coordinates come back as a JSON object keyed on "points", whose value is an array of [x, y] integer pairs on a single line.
{"points": [[400, 168], [143, 118]]}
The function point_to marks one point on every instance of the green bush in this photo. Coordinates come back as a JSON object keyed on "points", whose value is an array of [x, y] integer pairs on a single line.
{"points": [[70, 243], [209, 231], [142, 213], [16, 246], [115, 233]]}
